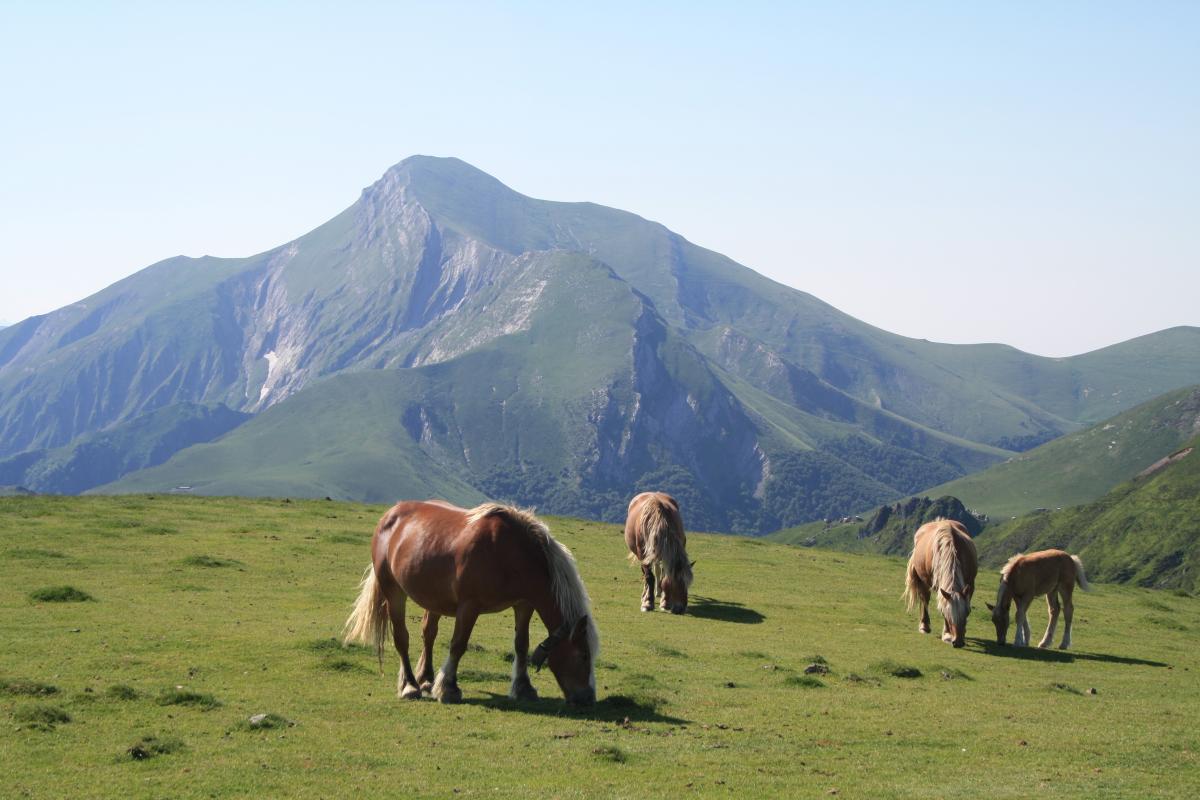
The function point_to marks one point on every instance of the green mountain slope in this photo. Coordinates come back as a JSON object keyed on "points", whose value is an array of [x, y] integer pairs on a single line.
{"points": [[1082, 466], [625, 357], [1145, 531]]}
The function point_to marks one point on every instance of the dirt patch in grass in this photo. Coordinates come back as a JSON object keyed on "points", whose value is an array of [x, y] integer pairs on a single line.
{"points": [[20, 686], [1065, 688], [60, 594], [184, 697], [40, 717], [950, 673]]}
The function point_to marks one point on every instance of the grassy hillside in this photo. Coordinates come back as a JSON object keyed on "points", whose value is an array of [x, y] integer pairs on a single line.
{"points": [[205, 612], [1145, 531], [1082, 466]]}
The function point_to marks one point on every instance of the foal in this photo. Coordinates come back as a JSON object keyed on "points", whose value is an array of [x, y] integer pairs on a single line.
{"points": [[1024, 577]]}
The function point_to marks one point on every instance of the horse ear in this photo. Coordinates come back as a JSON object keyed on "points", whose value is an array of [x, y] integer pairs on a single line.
{"points": [[989, 606], [691, 563], [579, 632], [945, 594]]}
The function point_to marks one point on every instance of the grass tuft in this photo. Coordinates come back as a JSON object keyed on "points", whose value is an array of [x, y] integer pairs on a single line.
{"points": [[40, 717], [889, 667], [35, 554], [210, 562], [60, 594], [342, 665], [1065, 688], [184, 697], [265, 722], [151, 747], [121, 692], [611, 753], [803, 681], [29, 688]]}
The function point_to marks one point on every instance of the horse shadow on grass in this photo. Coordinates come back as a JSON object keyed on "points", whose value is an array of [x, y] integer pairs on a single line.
{"points": [[992, 648], [723, 610], [615, 708]]}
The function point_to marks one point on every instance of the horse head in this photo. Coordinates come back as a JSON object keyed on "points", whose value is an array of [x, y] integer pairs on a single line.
{"points": [[1000, 620], [570, 654], [673, 586], [956, 607]]}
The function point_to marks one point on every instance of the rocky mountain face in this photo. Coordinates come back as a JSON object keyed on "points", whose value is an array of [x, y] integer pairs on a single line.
{"points": [[447, 335]]}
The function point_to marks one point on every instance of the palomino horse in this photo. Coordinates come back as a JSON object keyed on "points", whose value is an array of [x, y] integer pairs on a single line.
{"points": [[1024, 577], [459, 563], [943, 558], [654, 535]]}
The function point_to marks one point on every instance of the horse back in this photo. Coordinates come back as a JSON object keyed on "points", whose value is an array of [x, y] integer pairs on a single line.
{"points": [[1042, 572], [635, 533]]}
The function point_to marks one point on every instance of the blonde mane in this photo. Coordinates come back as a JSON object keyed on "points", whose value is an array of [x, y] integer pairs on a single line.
{"points": [[946, 574], [664, 539], [1007, 569], [565, 584]]}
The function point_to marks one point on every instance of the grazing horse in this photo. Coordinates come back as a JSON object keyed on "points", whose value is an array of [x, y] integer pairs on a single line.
{"points": [[462, 563], [656, 541], [1024, 577], [943, 558]]}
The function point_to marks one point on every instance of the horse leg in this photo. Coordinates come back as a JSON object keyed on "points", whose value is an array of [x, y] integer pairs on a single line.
{"points": [[1052, 609], [1022, 637], [923, 625], [521, 688], [662, 596], [429, 629], [406, 684], [445, 686], [648, 589], [1068, 611]]}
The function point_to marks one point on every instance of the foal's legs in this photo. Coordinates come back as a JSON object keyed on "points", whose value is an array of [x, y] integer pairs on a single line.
{"points": [[1068, 611], [406, 684], [648, 589], [521, 688], [1052, 609], [1022, 637], [429, 630], [445, 686]]}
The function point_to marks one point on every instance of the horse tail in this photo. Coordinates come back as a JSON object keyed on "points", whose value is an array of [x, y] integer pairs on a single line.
{"points": [[369, 622], [1080, 576], [911, 595]]}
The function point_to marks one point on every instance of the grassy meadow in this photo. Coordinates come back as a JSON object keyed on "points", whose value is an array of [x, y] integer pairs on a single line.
{"points": [[141, 635]]}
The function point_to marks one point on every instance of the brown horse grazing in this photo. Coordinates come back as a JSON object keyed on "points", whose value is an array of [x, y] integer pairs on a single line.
{"points": [[1049, 572], [656, 541], [459, 563], [944, 559]]}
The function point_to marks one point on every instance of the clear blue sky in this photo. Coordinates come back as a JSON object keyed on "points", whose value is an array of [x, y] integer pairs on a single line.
{"points": [[1018, 172]]}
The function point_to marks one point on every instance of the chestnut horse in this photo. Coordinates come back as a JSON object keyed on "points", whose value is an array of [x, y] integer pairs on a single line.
{"points": [[1049, 572], [943, 558], [656, 541], [459, 563]]}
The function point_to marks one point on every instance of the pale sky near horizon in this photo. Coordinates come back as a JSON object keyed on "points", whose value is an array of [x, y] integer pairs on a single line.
{"points": [[1024, 172]]}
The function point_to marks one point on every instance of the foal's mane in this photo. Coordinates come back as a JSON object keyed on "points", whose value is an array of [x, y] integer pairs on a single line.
{"points": [[565, 583], [1007, 569], [663, 531]]}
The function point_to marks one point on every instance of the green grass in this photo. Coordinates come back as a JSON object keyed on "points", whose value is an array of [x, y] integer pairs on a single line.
{"points": [[259, 639]]}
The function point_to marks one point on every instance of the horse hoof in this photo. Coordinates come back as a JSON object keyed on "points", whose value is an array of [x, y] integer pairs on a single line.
{"points": [[923, 628], [427, 687], [524, 693], [410, 692], [647, 607]]}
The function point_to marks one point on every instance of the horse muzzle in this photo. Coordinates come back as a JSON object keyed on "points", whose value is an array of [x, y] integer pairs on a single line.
{"points": [[582, 698], [678, 608]]}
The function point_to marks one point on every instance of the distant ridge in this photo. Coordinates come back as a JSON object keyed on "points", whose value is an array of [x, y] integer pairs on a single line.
{"points": [[447, 335]]}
